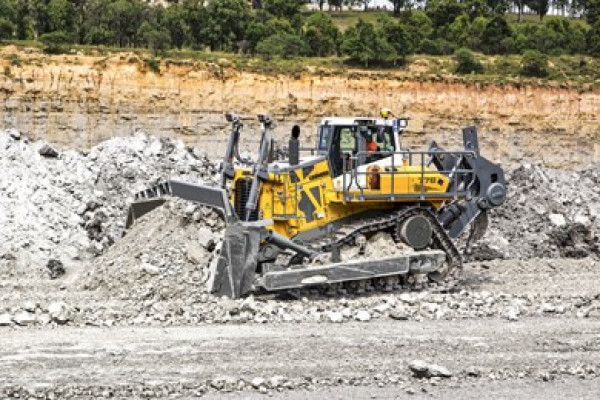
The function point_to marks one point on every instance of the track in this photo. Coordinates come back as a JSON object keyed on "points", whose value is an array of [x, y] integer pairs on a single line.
{"points": [[442, 281]]}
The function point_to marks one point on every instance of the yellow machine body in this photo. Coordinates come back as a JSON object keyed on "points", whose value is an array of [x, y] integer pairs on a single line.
{"points": [[303, 199]]}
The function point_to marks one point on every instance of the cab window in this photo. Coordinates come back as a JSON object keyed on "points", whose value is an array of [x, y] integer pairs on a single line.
{"points": [[386, 142], [324, 133], [347, 140]]}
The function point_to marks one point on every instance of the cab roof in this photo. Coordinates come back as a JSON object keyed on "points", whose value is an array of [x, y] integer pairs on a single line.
{"points": [[351, 120]]}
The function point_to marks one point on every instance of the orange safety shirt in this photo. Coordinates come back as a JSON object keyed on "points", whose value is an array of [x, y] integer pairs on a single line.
{"points": [[371, 146]]}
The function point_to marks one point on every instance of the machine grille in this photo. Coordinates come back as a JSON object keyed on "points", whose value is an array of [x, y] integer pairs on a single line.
{"points": [[242, 191]]}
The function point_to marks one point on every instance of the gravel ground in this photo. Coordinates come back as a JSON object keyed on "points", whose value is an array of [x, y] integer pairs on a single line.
{"points": [[269, 359]]}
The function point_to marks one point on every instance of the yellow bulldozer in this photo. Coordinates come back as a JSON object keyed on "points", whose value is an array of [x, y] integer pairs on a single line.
{"points": [[290, 212]]}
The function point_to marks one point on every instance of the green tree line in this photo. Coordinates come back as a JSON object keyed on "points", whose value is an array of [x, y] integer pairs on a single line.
{"points": [[281, 28]]}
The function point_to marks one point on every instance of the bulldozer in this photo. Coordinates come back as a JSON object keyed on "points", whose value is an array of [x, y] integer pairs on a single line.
{"points": [[290, 212]]}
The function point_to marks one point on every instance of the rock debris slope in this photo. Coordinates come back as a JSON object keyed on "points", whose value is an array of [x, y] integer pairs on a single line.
{"points": [[548, 213], [71, 205]]}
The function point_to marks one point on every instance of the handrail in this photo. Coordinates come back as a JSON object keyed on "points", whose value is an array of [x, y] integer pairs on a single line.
{"points": [[455, 175]]}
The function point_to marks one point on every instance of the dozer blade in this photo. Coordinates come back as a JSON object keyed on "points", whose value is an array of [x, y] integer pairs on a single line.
{"points": [[420, 262], [149, 199], [234, 264]]}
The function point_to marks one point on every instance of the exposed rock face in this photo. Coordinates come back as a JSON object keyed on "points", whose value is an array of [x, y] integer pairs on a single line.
{"points": [[80, 100]]}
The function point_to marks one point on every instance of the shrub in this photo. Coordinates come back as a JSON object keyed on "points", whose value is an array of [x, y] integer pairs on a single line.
{"points": [[534, 64], [7, 28], [593, 40], [283, 45], [55, 42], [467, 63], [494, 35], [437, 47], [153, 64]]}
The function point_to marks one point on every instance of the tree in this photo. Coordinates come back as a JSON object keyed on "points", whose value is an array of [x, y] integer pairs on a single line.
{"points": [[363, 44], [154, 37], [418, 26], [7, 11], [283, 45], [283, 8], [227, 23], [321, 35], [593, 40], [496, 32], [7, 19], [60, 15], [520, 5], [7, 28], [562, 4], [363, 3], [196, 20], [335, 4], [467, 63], [124, 18], [176, 26], [477, 8], [460, 31], [442, 13], [23, 20], [396, 34], [399, 5], [534, 64], [497, 6], [539, 6], [591, 10]]}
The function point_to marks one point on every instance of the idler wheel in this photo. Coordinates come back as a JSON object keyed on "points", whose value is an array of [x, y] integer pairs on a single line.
{"points": [[415, 231]]}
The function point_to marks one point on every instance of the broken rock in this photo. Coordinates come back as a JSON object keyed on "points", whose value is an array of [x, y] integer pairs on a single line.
{"points": [[55, 268], [557, 220], [24, 318], [335, 316], [258, 382], [13, 133], [48, 151], [363, 316], [59, 312], [421, 369], [6, 319]]}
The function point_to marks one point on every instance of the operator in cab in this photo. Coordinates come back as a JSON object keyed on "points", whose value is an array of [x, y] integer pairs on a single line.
{"points": [[372, 146]]}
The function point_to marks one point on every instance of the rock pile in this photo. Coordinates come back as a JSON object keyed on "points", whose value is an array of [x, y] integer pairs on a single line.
{"points": [[67, 205], [548, 213], [164, 257]]}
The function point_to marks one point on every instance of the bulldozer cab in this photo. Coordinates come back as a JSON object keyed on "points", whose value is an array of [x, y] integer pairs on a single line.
{"points": [[341, 139]]}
